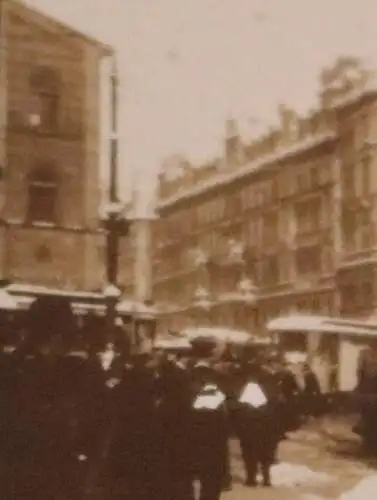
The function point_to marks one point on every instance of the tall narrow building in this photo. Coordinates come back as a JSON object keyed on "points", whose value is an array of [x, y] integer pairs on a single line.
{"points": [[49, 153]]}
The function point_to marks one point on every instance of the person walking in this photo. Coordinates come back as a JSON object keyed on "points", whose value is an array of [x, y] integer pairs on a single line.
{"points": [[210, 433]]}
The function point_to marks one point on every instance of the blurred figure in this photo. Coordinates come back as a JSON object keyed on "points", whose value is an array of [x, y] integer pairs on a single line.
{"points": [[210, 432], [174, 466], [50, 403], [257, 423], [135, 448], [311, 395], [366, 391], [290, 394]]}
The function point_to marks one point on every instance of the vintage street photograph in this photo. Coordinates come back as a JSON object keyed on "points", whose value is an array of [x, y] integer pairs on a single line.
{"points": [[188, 250]]}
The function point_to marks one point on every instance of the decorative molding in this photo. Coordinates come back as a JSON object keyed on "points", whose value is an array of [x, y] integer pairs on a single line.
{"points": [[49, 227]]}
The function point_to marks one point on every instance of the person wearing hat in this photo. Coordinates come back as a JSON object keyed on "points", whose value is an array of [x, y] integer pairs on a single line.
{"points": [[48, 403], [256, 422], [133, 454], [210, 432], [174, 465]]}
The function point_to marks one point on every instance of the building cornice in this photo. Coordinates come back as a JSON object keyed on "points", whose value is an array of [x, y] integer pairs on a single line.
{"points": [[226, 178], [49, 227]]}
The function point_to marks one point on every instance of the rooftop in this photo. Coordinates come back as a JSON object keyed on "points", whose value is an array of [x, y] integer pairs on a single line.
{"points": [[343, 84], [55, 25]]}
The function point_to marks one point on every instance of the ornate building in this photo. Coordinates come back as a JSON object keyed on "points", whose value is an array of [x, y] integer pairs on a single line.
{"points": [[49, 144], [286, 223]]}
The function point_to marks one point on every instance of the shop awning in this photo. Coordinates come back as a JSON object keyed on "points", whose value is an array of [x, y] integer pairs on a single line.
{"points": [[219, 334], [172, 343], [7, 301], [321, 324]]}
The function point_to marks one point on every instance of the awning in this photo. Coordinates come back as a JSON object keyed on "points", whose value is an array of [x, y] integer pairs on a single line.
{"points": [[7, 302], [321, 324], [219, 334], [16, 289], [172, 343], [82, 302]]}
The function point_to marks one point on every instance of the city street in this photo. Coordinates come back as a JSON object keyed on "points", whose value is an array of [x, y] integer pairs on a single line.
{"points": [[313, 466]]}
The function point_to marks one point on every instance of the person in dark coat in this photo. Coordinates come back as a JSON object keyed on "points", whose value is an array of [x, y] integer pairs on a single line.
{"points": [[134, 452], [311, 400], [290, 395], [257, 423], [209, 435], [366, 397], [48, 400], [174, 466]]}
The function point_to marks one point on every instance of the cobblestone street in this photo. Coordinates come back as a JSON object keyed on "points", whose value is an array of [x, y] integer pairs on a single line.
{"points": [[312, 466]]}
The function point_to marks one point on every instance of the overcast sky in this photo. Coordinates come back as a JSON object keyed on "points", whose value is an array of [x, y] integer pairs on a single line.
{"points": [[188, 65]]}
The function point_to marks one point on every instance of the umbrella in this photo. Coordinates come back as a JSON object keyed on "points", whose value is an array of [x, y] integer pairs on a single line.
{"points": [[7, 302], [217, 334]]}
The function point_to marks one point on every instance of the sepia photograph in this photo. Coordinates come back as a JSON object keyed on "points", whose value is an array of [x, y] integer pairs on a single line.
{"points": [[188, 250]]}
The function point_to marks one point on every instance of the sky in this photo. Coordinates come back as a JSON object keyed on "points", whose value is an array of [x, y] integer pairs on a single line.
{"points": [[187, 66]]}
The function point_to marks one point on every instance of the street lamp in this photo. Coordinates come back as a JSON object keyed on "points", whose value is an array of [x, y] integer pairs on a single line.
{"points": [[116, 225], [115, 222]]}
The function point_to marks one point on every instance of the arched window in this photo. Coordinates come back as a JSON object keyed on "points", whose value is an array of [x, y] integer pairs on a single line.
{"points": [[43, 194], [45, 88]]}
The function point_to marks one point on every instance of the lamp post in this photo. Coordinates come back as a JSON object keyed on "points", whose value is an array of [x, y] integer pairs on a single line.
{"points": [[115, 223], [112, 294]]}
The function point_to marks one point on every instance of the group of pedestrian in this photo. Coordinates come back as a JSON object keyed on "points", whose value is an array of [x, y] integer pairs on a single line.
{"points": [[149, 426]]}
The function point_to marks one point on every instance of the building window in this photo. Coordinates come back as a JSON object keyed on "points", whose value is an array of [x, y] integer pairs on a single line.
{"points": [[324, 173], [45, 90], [43, 194], [365, 176], [358, 296], [308, 216], [270, 236], [349, 298], [366, 228], [308, 260], [349, 182], [303, 180], [349, 225], [270, 271]]}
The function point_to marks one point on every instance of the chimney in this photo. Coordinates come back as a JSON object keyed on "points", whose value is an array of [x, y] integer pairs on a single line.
{"points": [[233, 144], [289, 122]]}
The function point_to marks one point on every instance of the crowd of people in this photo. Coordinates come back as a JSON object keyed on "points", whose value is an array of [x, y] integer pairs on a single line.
{"points": [[148, 426]]}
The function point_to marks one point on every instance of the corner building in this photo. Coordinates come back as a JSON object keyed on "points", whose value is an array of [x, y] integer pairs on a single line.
{"points": [[50, 148], [296, 207]]}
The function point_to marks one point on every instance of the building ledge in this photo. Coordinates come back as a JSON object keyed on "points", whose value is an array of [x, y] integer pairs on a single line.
{"points": [[48, 226], [225, 178]]}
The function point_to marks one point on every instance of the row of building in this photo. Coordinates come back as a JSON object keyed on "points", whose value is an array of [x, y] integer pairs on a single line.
{"points": [[50, 153], [282, 224]]}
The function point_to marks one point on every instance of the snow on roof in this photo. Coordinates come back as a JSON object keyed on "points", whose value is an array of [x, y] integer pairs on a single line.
{"points": [[224, 178]]}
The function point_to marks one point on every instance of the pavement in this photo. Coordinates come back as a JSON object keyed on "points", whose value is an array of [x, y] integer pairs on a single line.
{"points": [[320, 462]]}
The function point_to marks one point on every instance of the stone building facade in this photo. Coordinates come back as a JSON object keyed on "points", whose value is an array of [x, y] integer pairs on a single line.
{"points": [[50, 231], [294, 212]]}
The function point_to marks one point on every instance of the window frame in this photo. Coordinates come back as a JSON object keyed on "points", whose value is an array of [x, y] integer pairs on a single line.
{"points": [[43, 184]]}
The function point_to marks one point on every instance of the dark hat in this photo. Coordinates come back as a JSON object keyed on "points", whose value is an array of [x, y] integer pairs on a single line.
{"points": [[50, 317]]}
